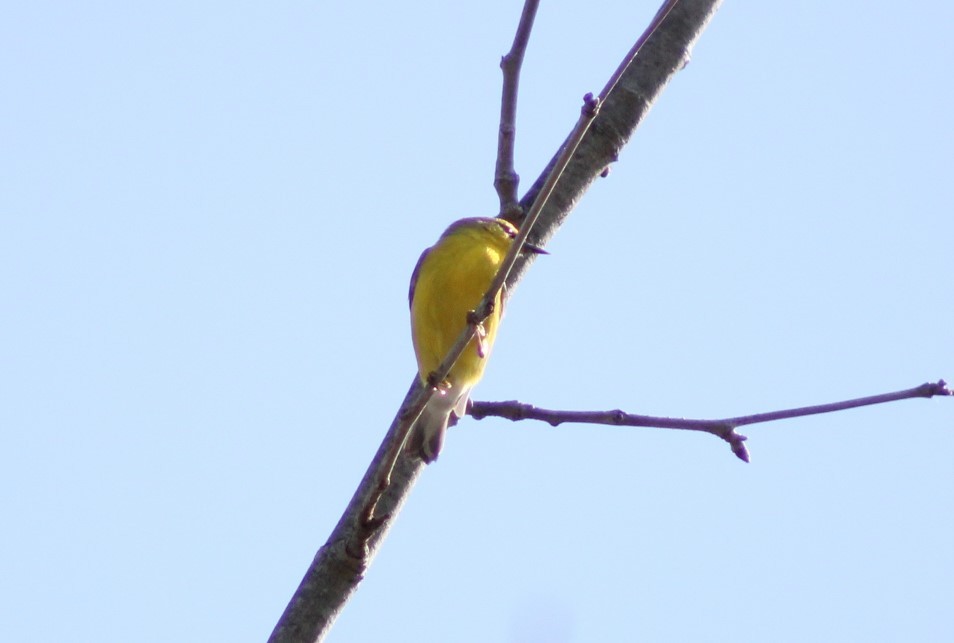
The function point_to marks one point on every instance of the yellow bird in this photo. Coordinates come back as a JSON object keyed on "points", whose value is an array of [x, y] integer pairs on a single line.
{"points": [[448, 282]]}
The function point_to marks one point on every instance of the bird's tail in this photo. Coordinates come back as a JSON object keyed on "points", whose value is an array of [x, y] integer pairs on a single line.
{"points": [[427, 436]]}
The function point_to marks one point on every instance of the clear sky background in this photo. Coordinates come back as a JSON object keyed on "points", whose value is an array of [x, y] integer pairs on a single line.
{"points": [[208, 216]]}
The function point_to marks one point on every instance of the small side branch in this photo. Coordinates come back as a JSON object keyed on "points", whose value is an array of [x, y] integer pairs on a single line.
{"points": [[724, 428], [506, 178]]}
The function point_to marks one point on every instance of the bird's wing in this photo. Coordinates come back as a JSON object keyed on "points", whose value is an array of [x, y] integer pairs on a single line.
{"points": [[414, 276]]}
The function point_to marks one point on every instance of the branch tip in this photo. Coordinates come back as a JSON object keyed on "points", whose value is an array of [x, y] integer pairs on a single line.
{"points": [[737, 444]]}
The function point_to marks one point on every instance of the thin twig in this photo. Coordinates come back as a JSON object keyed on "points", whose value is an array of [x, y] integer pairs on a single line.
{"points": [[658, 19], [723, 428], [506, 178]]}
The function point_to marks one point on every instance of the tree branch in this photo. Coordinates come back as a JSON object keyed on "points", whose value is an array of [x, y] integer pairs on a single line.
{"points": [[506, 178], [723, 428], [664, 53], [340, 564], [554, 173]]}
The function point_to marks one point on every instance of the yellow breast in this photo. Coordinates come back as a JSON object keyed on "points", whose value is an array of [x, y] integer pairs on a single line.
{"points": [[450, 281]]}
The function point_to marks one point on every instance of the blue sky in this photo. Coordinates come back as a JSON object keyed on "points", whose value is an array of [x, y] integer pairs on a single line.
{"points": [[208, 216]]}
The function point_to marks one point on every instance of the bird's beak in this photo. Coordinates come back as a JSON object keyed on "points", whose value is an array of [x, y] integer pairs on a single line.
{"points": [[537, 250]]}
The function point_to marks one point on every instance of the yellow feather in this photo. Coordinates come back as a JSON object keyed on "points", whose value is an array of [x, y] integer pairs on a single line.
{"points": [[449, 281]]}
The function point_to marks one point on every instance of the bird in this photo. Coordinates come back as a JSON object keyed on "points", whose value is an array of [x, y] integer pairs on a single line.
{"points": [[447, 284]]}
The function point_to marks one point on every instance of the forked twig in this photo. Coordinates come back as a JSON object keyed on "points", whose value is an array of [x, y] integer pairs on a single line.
{"points": [[724, 428]]}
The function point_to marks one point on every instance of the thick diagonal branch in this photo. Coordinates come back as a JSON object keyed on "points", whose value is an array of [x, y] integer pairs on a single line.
{"points": [[340, 564]]}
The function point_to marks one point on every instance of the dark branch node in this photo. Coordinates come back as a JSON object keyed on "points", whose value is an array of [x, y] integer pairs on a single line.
{"points": [[476, 317], [360, 557], [591, 105], [372, 524], [937, 388]]}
